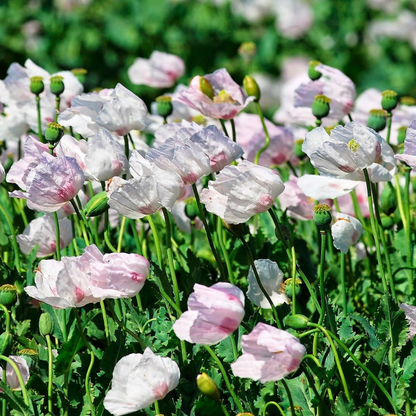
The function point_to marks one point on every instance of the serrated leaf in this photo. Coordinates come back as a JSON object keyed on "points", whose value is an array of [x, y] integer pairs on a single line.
{"points": [[22, 327], [67, 353], [267, 227], [345, 331], [298, 389], [344, 407], [15, 402], [409, 364], [225, 350], [371, 332]]}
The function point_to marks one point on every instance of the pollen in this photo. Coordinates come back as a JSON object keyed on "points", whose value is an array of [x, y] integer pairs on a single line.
{"points": [[353, 146]]}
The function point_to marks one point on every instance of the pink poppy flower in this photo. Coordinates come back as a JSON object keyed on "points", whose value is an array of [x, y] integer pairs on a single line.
{"points": [[346, 231], [161, 70], [139, 380], [409, 153], [52, 183], [227, 101], [11, 377], [239, 192], [213, 314], [269, 354]]}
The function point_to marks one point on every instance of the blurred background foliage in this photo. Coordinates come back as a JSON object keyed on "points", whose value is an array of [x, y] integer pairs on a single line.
{"points": [[105, 36]]}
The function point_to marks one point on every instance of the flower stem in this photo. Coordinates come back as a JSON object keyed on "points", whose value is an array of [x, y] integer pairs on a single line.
{"points": [[58, 106], [81, 222], [389, 119], [289, 395], [221, 237], [58, 236], [274, 404], [266, 132], [343, 285], [233, 130], [226, 379], [50, 372], [120, 237], [126, 146], [19, 378], [223, 127], [293, 281], [14, 241], [41, 139], [105, 320], [157, 411], [7, 316]]}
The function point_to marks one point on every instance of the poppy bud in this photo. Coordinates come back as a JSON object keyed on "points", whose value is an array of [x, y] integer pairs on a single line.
{"points": [[389, 100], [164, 106], [299, 153], [8, 296], [57, 85], [320, 107], [251, 87], [387, 221], [191, 208], [80, 74], [36, 85], [206, 87], [312, 72], [388, 202], [208, 387], [97, 205], [377, 120], [54, 132], [322, 216], [247, 51], [46, 324], [297, 321], [401, 134]]}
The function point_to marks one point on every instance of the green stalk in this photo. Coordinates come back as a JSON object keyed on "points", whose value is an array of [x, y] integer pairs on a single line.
{"points": [[41, 139], [7, 316], [318, 364], [293, 281], [389, 118], [322, 277], [120, 237], [50, 372], [19, 378], [266, 132], [208, 233], [408, 228], [400, 201], [343, 285], [58, 237], [223, 127], [233, 130], [221, 237], [226, 379], [58, 106], [81, 222], [289, 395], [105, 320], [157, 411], [224, 410], [260, 284], [274, 404], [14, 241], [126, 146], [374, 229]]}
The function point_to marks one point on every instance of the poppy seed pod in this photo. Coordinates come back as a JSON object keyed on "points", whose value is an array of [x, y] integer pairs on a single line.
{"points": [[80, 74], [164, 106], [297, 321], [251, 87], [388, 201], [377, 120], [322, 216], [54, 132], [312, 72], [320, 107], [36, 85], [8, 296], [389, 100], [97, 205], [57, 85]]}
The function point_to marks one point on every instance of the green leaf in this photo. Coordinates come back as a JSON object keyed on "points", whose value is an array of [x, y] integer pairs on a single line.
{"points": [[344, 407], [409, 364], [67, 353], [299, 390], [267, 227], [15, 402], [371, 332], [22, 327], [225, 350]]}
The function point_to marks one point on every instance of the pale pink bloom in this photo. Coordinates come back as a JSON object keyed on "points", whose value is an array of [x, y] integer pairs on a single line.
{"points": [[410, 312], [42, 232], [239, 192], [184, 129], [11, 376], [182, 220], [348, 150], [150, 189], [271, 278], [12, 122], [70, 5], [387, 6], [294, 18], [333, 84], [297, 204], [139, 380], [89, 278], [71, 147], [346, 231], [409, 153], [161, 70], [229, 98], [52, 183], [68, 209], [269, 354], [253, 11], [213, 313]]}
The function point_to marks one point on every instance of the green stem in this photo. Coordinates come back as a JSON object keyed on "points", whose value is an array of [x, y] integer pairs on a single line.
{"points": [[318, 364], [289, 395], [274, 404], [408, 228], [58, 106], [126, 146], [260, 284], [224, 410], [81, 222], [266, 132], [41, 139], [208, 233], [343, 285], [233, 130], [104, 313], [322, 276], [19, 378], [58, 236], [50, 372], [120, 237], [374, 229], [14, 241], [157, 411], [7, 316], [108, 242], [389, 118], [293, 281], [221, 237], [224, 128], [226, 379]]}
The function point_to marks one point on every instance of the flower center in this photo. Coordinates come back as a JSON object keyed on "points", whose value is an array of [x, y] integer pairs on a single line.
{"points": [[224, 97], [353, 146]]}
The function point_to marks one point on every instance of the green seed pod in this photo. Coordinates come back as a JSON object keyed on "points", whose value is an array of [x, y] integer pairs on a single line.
{"points": [[388, 201], [289, 289], [389, 100], [387, 222], [297, 321], [408, 101], [36, 85], [251, 87], [8, 295], [320, 107], [54, 132], [46, 324], [401, 134], [206, 87], [97, 205], [80, 74], [322, 216], [208, 387], [299, 153], [57, 85], [164, 106], [377, 120], [247, 51], [312, 72]]}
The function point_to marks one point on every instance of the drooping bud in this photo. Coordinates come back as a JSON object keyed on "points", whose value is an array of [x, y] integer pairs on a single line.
{"points": [[251, 87], [8, 296], [80, 74], [57, 85], [206, 87], [54, 132], [401, 134], [322, 216], [247, 51], [312, 72], [387, 221], [191, 208], [320, 107], [208, 387], [46, 324], [36, 85], [97, 205], [377, 120], [388, 201], [288, 286], [389, 100], [299, 153], [297, 321], [164, 106], [408, 101]]}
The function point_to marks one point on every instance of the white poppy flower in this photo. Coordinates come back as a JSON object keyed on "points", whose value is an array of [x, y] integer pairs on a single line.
{"points": [[346, 231]]}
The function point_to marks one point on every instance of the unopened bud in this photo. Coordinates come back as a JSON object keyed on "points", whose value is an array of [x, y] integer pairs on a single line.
{"points": [[388, 201], [57, 85], [312, 72], [80, 74], [206, 87], [164, 106], [36, 85], [247, 51], [299, 153], [8, 295], [377, 120], [208, 387], [389, 100], [97, 205], [322, 216], [191, 208], [401, 134], [297, 321], [251, 87], [46, 324], [54, 132], [320, 107], [387, 221]]}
